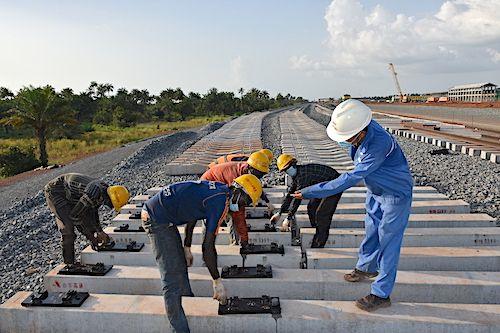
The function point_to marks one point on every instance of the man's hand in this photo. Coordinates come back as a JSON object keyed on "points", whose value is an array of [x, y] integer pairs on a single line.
{"points": [[297, 195], [103, 238], [275, 218], [94, 243], [219, 291], [188, 255], [270, 207]]}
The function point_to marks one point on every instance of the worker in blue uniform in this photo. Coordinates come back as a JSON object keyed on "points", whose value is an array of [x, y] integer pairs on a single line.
{"points": [[185, 203], [380, 162]]}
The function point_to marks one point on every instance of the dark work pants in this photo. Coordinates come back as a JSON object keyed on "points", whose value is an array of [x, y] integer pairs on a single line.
{"points": [[65, 225], [320, 213], [169, 254]]}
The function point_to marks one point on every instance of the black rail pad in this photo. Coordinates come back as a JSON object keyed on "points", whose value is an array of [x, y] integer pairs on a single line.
{"points": [[252, 213], [263, 249], [264, 304], [235, 272], [133, 246], [70, 298], [126, 228], [98, 269], [267, 228], [135, 216], [139, 205]]}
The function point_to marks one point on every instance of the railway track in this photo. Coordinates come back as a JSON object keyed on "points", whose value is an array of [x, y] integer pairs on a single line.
{"points": [[449, 279], [449, 134]]}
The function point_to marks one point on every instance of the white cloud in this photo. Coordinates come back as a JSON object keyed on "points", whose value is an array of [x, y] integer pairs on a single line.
{"points": [[495, 55], [462, 35]]}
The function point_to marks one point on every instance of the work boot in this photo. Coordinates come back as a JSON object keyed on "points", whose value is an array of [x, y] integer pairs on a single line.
{"points": [[296, 242], [356, 275], [372, 302]]}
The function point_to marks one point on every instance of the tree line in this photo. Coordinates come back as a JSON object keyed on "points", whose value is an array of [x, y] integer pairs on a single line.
{"points": [[46, 113]]}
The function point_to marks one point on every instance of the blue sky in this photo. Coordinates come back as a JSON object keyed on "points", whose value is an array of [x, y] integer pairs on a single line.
{"points": [[281, 46]]}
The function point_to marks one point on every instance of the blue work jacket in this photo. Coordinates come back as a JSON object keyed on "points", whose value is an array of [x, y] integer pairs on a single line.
{"points": [[188, 201], [380, 162]]}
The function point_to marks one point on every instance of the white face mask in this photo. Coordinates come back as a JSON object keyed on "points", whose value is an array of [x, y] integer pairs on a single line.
{"points": [[234, 207], [291, 171], [345, 145]]}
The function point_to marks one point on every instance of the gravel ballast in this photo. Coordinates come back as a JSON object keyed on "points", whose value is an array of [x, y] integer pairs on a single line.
{"points": [[459, 176], [29, 239], [271, 139]]}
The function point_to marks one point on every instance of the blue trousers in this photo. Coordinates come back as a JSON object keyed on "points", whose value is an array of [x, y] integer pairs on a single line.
{"points": [[169, 253], [385, 223]]}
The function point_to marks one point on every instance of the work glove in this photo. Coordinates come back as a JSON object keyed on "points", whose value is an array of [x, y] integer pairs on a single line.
{"points": [[103, 238], [275, 219], [270, 207], [219, 291], [188, 255], [285, 226]]}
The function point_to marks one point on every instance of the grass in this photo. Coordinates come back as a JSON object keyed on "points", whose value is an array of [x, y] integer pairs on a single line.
{"points": [[103, 138]]}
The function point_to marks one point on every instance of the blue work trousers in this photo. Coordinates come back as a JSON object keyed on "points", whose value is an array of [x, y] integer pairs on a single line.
{"points": [[169, 253], [385, 223]]}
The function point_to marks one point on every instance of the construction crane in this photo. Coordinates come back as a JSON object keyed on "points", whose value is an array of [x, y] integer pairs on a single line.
{"points": [[403, 98]]}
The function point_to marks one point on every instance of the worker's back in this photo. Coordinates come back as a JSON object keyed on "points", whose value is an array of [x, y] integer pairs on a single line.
{"points": [[188, 201], [226, 172]]}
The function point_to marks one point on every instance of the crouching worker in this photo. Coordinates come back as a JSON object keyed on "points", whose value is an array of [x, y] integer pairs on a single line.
{"points": [[75, 199], [257, 165], [240, 158], [183, 204], [320, 211]]}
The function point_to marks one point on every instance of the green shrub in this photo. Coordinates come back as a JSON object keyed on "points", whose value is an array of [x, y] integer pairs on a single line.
{"points": [[14, 161], [87, 127]]}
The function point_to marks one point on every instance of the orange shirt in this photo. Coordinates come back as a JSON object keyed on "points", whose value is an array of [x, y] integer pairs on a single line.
{"points": [[229, 158], [226, 172]]}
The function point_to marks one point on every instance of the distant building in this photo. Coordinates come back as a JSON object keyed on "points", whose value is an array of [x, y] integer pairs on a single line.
{"points": [[476, 92]]}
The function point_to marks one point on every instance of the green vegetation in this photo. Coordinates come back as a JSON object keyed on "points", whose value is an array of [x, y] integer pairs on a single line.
{"points": [[64, 126]]}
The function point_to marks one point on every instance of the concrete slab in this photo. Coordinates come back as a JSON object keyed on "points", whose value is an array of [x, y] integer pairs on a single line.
{"points": [[357, 221], [282, 189], [475, 258], [360, 197], [309, 284], [223, 237], [438, 237], [418, 207], [144, 313], [226, 255]]}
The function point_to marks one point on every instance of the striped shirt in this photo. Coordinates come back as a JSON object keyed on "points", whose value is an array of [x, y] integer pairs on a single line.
{"points": [[307, 175]]}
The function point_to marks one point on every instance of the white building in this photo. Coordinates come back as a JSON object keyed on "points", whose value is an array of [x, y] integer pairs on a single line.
{"points": [[476, 92]]}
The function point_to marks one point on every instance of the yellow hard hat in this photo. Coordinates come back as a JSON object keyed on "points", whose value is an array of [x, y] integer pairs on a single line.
{"points": [[284, 161], [268, 153], [251, 185], [259, 161], [119, 196]]}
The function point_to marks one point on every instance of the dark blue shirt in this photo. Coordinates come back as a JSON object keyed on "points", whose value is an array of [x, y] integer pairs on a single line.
{"points": [[188, 201]]}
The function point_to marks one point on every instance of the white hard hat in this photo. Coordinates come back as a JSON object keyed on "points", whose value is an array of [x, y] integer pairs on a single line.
{"points": [[348, 119]]}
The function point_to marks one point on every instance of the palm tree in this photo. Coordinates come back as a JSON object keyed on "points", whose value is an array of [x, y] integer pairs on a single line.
{"points": [[43, 110]]}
